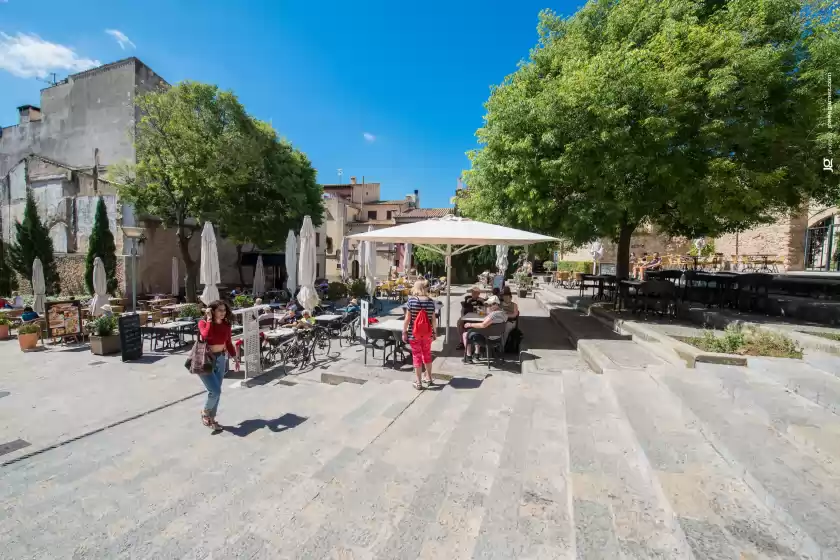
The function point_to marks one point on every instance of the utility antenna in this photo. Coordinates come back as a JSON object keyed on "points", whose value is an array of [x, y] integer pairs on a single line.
{"points": [[340, 173], [49, 81]]}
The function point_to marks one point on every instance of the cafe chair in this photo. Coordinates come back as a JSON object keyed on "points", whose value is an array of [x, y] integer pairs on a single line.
{"points": [[494, 341], [379, 339]]}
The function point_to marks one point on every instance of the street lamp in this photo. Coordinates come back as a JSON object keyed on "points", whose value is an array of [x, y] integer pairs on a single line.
{"points": [[136, 236]]}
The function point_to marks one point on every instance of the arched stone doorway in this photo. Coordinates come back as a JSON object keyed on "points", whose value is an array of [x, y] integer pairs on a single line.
{"points": [[355, 270]]}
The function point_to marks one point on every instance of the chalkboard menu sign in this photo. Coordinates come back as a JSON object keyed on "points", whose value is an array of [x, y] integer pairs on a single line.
{"points": [[131, 338], [64, 318]]}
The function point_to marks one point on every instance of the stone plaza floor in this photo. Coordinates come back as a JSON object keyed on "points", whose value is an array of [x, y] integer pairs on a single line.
{"points": [[548, 461]]}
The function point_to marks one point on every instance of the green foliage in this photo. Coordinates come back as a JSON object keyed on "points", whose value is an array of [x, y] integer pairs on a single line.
{"points": [[574, 266], [523, 280], [200, 156], [821, 334], [4, 320], [707, 251], [8, 279], [549, 266], [106, 325], [242, 301], [701, 118], [357, 288], [32, 239], [749, 341], [191, 311], [336, 291], [101, 244], [427, 257], [29, 328]]}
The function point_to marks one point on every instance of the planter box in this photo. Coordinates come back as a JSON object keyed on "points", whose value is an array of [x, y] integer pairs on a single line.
{"points": [[523, 293], [104, 345], [4, 332], [28, 341]]}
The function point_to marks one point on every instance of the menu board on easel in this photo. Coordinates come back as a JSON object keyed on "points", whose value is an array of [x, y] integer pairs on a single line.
{"points": [[364, 319], [64, 319], [131, 337]]}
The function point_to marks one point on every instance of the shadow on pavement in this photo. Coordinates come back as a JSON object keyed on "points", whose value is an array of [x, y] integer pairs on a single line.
{"points": [[281, 424], [465, 383]]}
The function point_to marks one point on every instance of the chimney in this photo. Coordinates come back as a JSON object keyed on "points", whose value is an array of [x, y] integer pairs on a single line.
{"points": [[28, 113], [352, 180], [416, 198]]}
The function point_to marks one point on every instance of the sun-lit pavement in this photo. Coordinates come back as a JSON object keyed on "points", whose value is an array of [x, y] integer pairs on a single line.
{"points": [[555, 462]]}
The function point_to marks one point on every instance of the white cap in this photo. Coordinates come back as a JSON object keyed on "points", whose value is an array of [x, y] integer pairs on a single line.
{"points": [[492, 300]]}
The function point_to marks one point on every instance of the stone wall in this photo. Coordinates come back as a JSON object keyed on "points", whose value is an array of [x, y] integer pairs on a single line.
{"points": [[640, 243], [71, 275], [785, 238]]}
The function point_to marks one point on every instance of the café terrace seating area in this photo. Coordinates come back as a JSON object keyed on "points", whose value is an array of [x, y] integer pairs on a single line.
{"points": [[747, 283]]}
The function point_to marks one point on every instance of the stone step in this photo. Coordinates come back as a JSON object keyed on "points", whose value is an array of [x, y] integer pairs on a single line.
{"points": [[605, 355], [620, 509], [804, 379], [791, 477], [583, 327], [164, 481], [719, 513], [829, 363]]}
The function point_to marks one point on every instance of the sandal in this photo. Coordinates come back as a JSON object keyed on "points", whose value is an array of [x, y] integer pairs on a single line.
{"points": [[428, 382], [207, 420], [418, 386]]}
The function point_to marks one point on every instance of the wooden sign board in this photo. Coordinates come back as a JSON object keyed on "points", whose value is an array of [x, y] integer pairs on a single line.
{"points": [[131, 337], [64, 318]]}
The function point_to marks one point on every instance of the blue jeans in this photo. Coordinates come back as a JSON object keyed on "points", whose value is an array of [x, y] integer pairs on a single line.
{"points": [[213, 382]]}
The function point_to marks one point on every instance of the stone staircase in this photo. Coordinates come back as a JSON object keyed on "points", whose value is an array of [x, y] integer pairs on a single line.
{"points": [[555, 462]]}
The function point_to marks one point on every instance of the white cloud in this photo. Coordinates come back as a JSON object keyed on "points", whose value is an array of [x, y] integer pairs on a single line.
{"points": [[29, 56], [369, 137], [121, 38]]}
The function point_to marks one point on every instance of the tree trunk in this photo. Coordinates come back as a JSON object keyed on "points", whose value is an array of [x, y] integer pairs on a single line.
{"points": [[189, 263], [622, 257], [239, 264]]}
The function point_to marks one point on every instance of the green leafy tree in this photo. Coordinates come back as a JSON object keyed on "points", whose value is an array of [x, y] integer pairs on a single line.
{"points": [[101, 244], [8, 282], [193, 143], [32, 240], [699, 117]]}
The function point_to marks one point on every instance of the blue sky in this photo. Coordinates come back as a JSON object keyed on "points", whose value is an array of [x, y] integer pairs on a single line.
{"points": [[390, 91]]}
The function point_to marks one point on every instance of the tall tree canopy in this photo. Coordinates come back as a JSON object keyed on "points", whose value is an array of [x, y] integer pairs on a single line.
{"points": [[32, 240], [700, 117], [201, 157]]}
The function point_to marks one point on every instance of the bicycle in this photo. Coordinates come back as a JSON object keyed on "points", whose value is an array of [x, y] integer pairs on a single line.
{"points": [[349, 332], [309, 345]]}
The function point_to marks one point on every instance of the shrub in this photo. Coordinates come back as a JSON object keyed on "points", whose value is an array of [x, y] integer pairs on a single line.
{"points": [[4, 320], [574, 266], [106, 325], [357, 288], [191, 311], [243, 300], [748, 341], [29, 328], [336, 290], [548, 266]]}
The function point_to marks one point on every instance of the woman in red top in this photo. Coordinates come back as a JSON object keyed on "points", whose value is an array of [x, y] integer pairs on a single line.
{"points": [[215, 330]]}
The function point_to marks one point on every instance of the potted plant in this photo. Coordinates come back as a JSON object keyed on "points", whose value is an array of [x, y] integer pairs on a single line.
{"points": [[103, 340], [4, 327], [523, 282], [190, 312], [28, 335], [357, 288], [549, 268], [242, 301]]}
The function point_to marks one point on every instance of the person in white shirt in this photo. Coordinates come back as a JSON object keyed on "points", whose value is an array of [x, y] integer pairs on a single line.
{"points": [[473, 338], [17, 301]]}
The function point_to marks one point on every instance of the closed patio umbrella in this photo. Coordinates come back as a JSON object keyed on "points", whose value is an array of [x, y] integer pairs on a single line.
{"points": [[176, 285], [209, 274], [259, 278], [291, 263], [407, 254], [501, 258], [100, 288], [39, 287], [370, 268], [307, 296], [345, 245]]}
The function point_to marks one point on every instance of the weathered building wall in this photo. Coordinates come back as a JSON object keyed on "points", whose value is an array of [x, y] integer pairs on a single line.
{"points": [[640, 243], [784, 238]]}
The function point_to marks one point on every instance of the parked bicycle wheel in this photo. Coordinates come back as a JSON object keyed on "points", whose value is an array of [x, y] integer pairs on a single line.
{"points": [[295, 355], [347, 335], [320, 345]]}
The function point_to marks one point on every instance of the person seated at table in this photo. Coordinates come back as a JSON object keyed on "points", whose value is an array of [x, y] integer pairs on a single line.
{"points": [[472, 301], [260, 311], [472, 339], [353, 306], [290, 313], [508, 305], [306, 321], [107, 310], [4, 304], [28, 314], [653, 264]]}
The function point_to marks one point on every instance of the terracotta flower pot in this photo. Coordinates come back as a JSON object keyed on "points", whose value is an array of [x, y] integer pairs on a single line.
{"points": [[4, 332], [28, 341]]}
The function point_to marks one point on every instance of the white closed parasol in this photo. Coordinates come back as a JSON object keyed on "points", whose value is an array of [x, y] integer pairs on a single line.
{"points": [[307, 296], [209, 274], [100, 288]]}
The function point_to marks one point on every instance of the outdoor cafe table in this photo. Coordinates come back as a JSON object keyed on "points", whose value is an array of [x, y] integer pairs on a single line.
{"points": [[765, 264], [326, 318], [624, 287], [396, 327], [168, 333], [275, 339]]}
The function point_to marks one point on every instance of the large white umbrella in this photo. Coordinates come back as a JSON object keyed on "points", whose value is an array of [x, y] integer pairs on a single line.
{"points": [[370, 268], [209, 274], [39, 287], [259, 278], [291, 263], [408, 251], [345, 245], [501, 258], [456, 235], [307, 296], [176, 284], [100, 288]]}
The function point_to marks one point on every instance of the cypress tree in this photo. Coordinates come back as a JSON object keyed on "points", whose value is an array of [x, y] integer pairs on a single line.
{"points": [[101, 244], [33, 240]]}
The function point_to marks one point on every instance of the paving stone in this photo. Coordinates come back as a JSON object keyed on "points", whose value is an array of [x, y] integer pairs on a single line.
{"points": [[803, 379], [796, 481]]}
